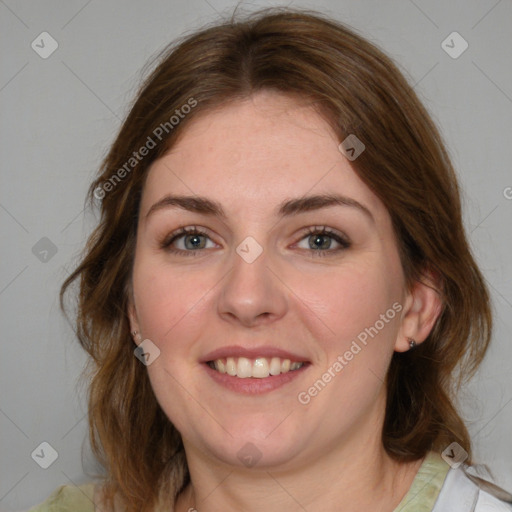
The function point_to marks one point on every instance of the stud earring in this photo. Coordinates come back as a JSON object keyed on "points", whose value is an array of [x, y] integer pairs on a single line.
{"points": [[412, 343]]}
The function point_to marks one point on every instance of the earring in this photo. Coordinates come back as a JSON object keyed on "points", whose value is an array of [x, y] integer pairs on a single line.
{"points": [[136, 335], [412, 343]]}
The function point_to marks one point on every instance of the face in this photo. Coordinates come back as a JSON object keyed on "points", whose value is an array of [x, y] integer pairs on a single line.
{"points": [[268, 276]]}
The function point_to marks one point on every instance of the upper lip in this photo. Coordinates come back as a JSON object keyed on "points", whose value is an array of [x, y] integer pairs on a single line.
{"points": [[251, 353]]}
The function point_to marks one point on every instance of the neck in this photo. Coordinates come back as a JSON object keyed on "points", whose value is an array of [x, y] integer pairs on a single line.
{"points": [[353, 476]]}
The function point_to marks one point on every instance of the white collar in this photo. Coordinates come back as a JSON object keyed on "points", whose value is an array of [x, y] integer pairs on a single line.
{"points": [[461, 494]]}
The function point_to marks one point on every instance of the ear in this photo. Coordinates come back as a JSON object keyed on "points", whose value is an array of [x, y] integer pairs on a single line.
{"points": [[132, 317], [423, 305]]}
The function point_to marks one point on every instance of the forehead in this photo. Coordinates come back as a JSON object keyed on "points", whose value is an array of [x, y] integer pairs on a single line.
{"points": [[253, 153]]}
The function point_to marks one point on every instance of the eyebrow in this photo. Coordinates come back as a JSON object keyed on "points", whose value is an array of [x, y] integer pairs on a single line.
{"points": [[199, 204]]}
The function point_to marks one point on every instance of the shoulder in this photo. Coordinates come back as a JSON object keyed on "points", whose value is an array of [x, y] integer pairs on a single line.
{"points": [[68, 498], [463, 492]]}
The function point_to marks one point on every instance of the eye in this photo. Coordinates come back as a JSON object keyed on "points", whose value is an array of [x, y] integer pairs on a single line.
{"points": [[187, 240], [322, 240], [319, 240]]}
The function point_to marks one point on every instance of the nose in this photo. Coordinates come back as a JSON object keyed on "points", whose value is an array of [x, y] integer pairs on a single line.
{"points": [[252, 293]]}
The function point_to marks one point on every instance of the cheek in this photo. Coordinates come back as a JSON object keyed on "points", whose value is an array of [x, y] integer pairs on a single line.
{"points": [[168, 301], [172, 308], [355, 314], [345, 301]]}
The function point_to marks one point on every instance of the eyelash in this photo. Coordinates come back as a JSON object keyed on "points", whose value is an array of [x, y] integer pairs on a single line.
{"points": [[313, 230]]}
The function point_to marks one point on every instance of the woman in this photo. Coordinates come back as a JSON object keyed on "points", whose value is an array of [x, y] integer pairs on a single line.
{"points": [[280, 294]]}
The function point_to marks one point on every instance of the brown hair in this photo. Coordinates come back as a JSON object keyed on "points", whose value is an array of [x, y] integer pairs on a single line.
{"points": [[359, 91]]}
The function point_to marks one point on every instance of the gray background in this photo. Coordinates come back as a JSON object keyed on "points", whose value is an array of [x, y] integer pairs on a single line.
{"points": [[59, 115]]}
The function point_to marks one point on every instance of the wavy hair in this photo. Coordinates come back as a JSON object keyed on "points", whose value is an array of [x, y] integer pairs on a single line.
{"points": [[358, 90]]}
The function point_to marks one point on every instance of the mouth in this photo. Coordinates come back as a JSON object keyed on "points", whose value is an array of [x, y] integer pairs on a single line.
{"points": [[257, 368], [253, 371]]}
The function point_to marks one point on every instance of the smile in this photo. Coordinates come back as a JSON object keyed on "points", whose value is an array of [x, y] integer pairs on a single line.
{"points": [[258, 368]]}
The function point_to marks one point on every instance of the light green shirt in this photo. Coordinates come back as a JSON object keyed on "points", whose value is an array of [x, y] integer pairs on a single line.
{"points": [[421, 496], [426, 486], [69, 498]]}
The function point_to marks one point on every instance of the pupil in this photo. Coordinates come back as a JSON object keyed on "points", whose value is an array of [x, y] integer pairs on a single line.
{"points": [[321, 242], [194, 241]]}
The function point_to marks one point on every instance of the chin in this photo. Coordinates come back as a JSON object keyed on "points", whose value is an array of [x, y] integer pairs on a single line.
{"points": [[255, 443]]}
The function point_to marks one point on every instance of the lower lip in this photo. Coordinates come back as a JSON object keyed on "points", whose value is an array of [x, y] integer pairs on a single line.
{"points": [[251, 385]]}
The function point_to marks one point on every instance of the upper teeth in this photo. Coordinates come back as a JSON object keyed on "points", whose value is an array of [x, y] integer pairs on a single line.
{"points": [[258, 368]]}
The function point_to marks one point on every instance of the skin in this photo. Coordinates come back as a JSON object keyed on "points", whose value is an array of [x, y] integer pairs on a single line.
{"points": [[250, 156]]}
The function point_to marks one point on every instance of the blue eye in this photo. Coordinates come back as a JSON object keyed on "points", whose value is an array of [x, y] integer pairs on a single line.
{"points": [[320, 241], [189, 241]]}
